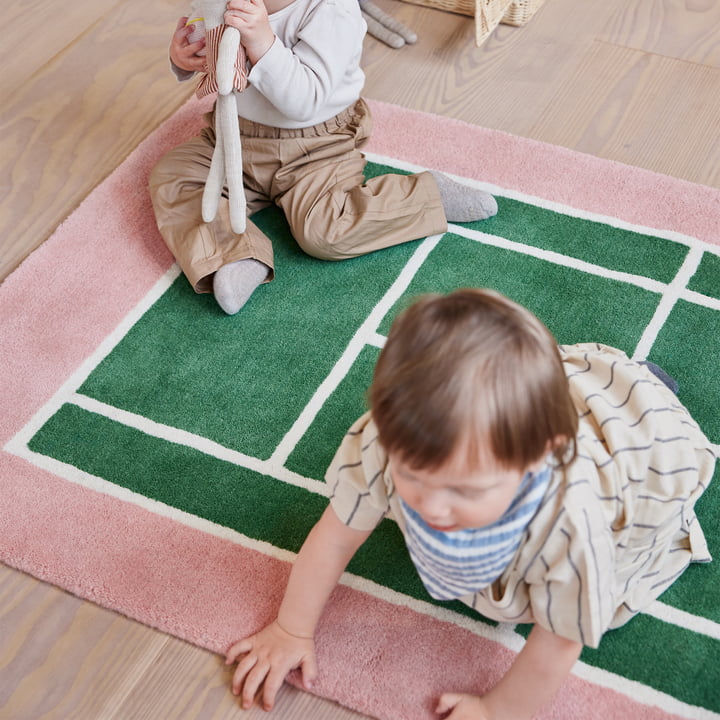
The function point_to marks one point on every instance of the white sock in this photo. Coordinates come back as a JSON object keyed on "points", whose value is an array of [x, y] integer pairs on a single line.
{"points": [[463, 203], [233, 284]]}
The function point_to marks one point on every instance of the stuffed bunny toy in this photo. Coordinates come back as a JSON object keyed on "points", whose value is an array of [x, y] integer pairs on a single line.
{"points": [[227, 74]]}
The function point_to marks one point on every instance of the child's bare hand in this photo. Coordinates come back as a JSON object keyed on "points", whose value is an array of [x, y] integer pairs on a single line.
{"points": [[462, 707], [268, 657], [183, 53], [250, 17]]}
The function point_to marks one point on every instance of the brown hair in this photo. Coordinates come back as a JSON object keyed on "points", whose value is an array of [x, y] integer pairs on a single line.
{"points": [[469, 367]]}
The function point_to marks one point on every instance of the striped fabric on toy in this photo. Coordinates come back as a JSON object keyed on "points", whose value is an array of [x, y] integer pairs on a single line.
{"points": [[207, 84]]}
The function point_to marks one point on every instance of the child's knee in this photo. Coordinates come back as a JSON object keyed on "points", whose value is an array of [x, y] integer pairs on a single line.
{"points": [[322, 245]]}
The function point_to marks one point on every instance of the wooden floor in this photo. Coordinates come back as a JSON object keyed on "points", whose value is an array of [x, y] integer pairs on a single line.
{"points": [[636, 81]]}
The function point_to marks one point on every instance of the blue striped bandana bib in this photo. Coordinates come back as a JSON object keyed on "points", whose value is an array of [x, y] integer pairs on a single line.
{"points": [[453, 564]]}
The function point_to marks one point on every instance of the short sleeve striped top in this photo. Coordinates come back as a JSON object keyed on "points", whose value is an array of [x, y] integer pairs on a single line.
{"points": [[611, 533]]}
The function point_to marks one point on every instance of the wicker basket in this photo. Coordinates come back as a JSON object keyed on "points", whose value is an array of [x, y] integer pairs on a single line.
{"points": [[487, 13]]}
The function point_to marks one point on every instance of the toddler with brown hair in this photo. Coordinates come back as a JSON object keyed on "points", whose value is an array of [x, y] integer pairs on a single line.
{"points": [[538, 484]]}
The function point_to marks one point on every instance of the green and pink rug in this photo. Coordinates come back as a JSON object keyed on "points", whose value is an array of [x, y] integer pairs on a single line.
{"points": [[165, 460]]}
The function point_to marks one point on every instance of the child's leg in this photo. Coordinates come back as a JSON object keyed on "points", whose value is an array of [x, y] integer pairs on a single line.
{"points": [[176, 188], [234, 283], [463, 203], [352, 219], [334, 214]]}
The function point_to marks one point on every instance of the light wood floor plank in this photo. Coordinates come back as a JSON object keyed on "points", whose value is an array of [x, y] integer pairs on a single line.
{"points": [[640, 109], [62, 658], [199, 689], [500, 85], [33, 35], [78, 117], [682, 29]]}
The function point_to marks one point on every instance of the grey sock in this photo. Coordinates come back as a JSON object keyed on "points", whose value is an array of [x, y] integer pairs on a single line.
{"points": [[233, 284], [463, 203]]}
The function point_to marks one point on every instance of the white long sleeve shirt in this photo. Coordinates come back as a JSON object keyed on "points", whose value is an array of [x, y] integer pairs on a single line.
{"points": [[312, 71]]}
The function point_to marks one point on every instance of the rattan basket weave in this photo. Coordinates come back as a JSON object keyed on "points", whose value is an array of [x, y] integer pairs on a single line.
{"points": [[487, 13]]}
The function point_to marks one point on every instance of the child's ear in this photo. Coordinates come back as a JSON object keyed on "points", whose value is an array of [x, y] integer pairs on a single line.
{"points": [[556, 446], [561, 449]]}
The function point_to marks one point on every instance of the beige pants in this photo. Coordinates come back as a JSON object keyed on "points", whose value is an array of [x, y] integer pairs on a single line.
{"points": [[314, 174]]}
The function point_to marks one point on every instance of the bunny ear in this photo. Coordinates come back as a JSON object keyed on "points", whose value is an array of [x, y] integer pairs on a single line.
{"points": [[232, 65], [226, 167], [227, 118], [227, 59], [231, 61], [215, 179]]}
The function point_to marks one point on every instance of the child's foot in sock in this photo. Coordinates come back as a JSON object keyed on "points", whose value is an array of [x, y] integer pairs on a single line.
{"points": [[463, 203], [233, 284]]}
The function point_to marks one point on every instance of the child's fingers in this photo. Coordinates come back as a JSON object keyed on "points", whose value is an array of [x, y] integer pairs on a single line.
{"points": [[273, 682], [308, 668], [181, 30], [253, 680], [447, 702], [240, 6], [196, 64], [240, 676], [239, 648], [196, 46]]}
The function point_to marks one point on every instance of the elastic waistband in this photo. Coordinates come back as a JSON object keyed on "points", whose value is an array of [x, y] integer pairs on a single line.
{"points": [[257, 130]]}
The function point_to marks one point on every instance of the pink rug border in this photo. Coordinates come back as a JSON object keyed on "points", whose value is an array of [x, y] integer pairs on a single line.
{"points": [[636, 195], [181, 586]]}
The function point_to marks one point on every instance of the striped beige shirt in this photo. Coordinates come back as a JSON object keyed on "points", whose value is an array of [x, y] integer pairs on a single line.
{"points": [[613, 531]]}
